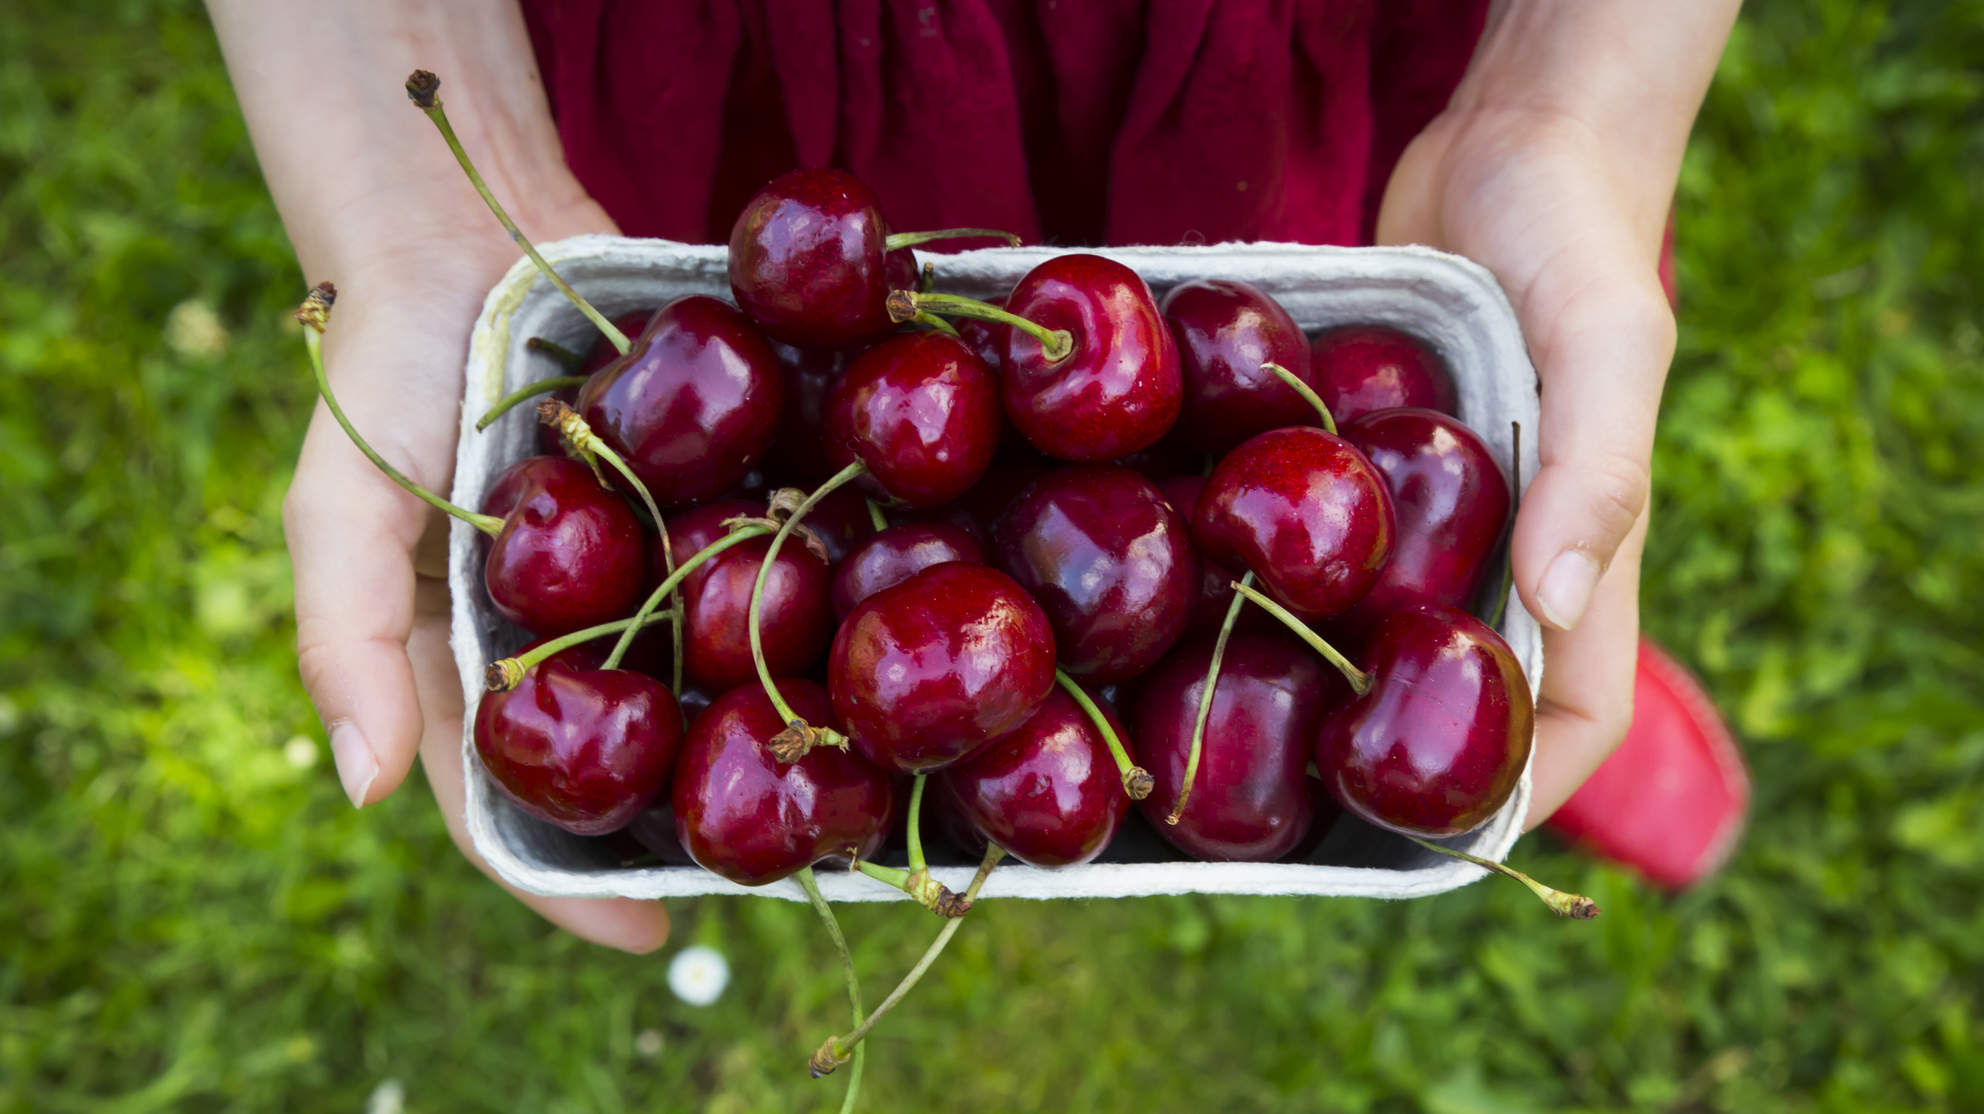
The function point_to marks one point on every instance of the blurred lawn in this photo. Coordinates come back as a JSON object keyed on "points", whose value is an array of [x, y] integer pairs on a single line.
{"points": [[192, 918]]}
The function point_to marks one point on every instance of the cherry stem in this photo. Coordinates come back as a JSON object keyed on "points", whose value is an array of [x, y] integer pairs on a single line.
{"points": [[1205, 705], [904, 305], [914, 835], [1360, 681], [421, 88], [1307, 392], [503, 674], [524, 394], [318, 306], [935, 323], [799, 735], [1136, 780], [812, 887], [737, 536], [836, 1050], [1576, 906], [910, 239], [566, 358], [1515, 508], [919, 884], [876, 518]]}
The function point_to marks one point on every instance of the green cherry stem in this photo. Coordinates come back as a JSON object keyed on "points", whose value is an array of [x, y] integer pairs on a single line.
{"points": [[914, 835], [896, 240], [904, 305], [524, 394], [920, 885], [812, 887], [1205, 705], [565, 357], [876, 517], [737, 536], [1360, 681], [836, 1050], [422, 88], [503, 674], [1508, 580], [1576, 906], [799, 736], [935, 323], [1307, 392], [1136, 780], [315, 313]]}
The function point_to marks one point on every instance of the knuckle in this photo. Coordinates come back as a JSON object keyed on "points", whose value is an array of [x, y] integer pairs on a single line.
{"points": [[1617, 487]]}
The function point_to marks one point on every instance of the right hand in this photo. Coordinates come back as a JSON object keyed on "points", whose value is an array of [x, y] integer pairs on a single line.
{"points": [[370, 560]]}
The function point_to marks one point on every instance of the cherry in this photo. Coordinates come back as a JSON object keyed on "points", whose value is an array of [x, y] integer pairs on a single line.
{"points": [[579, 746], [1215, 592], [1226, 331], [744, 815], [920, 413], [693, 404], [1304, 511], [598, 356], [1016, 466], [987, 338], [798, 453], [570, 553], [926, 672], [1452, 505], [797, 621], [1361, 368], [1249, 801], [1110, 562], [1435, 744], [653, 828], [839, 521], [1046, 791], [897, 553]]}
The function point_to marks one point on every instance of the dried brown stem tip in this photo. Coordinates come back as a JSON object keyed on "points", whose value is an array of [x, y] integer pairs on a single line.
{"points": [[315, 311], [502, 675], [556, 414], [826, 1059], [902, 306], [799, 738], [1138, 783], [421, 87]]}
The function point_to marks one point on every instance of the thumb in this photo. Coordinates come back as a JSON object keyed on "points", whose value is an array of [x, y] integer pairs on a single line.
{"points": [[1603, 335]]}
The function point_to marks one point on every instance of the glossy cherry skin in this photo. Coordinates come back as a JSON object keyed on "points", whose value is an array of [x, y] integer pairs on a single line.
{"points": [[744, 815], [928, 671], [549, 441], [794, 624], [571, 553], [888, 558], [1225, 331], [578, 746], [1110, 562], [1118, 390], [807, 260], [1249, 799], [1215, 595], [1452, 504], [1360, 368], [798, 454], [693, 405], [1436, 746], [987, 338], [1305, 512], [1048, 791], [921, 412]]}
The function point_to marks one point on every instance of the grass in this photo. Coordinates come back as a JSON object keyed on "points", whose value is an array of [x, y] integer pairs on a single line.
{"points": [[192, 918]]}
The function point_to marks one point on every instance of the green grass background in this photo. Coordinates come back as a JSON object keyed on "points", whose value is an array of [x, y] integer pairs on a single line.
{"points": [[191, 917]]}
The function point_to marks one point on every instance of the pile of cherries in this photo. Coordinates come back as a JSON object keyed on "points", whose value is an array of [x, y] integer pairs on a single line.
{"points": [[789, 557]]}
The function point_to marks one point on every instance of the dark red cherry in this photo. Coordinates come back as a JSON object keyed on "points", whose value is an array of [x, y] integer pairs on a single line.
{"points": [[653, 829], [1016, 466], [1048, 791], [807, 260], [1452, 505], [921, 412], [578, 746], [549, 441], [1118, 390], [752, 819], [1249, 800], [926, 672], [1435, 747], [1226, 331], [694, 403], [1360, 368], [1108, 560], [886, 559], [1215, 594], [571, 553], [798, 455], [795, 622], [987, 338], [1305, 512], [840, 521]]}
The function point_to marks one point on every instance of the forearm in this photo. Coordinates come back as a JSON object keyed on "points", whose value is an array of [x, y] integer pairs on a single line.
{"points": [[357, 172]]}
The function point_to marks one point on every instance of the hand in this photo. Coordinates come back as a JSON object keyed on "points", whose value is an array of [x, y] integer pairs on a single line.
{"points": [[370, 560], [1573, 234]]}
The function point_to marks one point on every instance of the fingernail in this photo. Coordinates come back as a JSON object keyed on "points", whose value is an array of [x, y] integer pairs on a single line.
{"points": [[1566, 588], [357, 769]]}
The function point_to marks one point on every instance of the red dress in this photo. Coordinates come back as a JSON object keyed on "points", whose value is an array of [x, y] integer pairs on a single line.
{"points": [[1065, 121]]}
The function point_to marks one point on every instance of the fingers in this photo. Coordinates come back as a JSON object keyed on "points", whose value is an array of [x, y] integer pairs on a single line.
{"points": [[1587, 698], [631, 926]]}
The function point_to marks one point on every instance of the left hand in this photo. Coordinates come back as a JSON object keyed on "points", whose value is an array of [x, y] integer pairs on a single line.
{"points": [[1543, 201]]}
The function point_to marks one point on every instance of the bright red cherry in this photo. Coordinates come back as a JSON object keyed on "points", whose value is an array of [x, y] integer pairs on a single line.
{"points": [[926, 672], [921, 412], [570, 554], [549, 441], [1226, 331], [797, 618], [1360, 368], [1047, 791], [886, 559], [807, 260]]}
